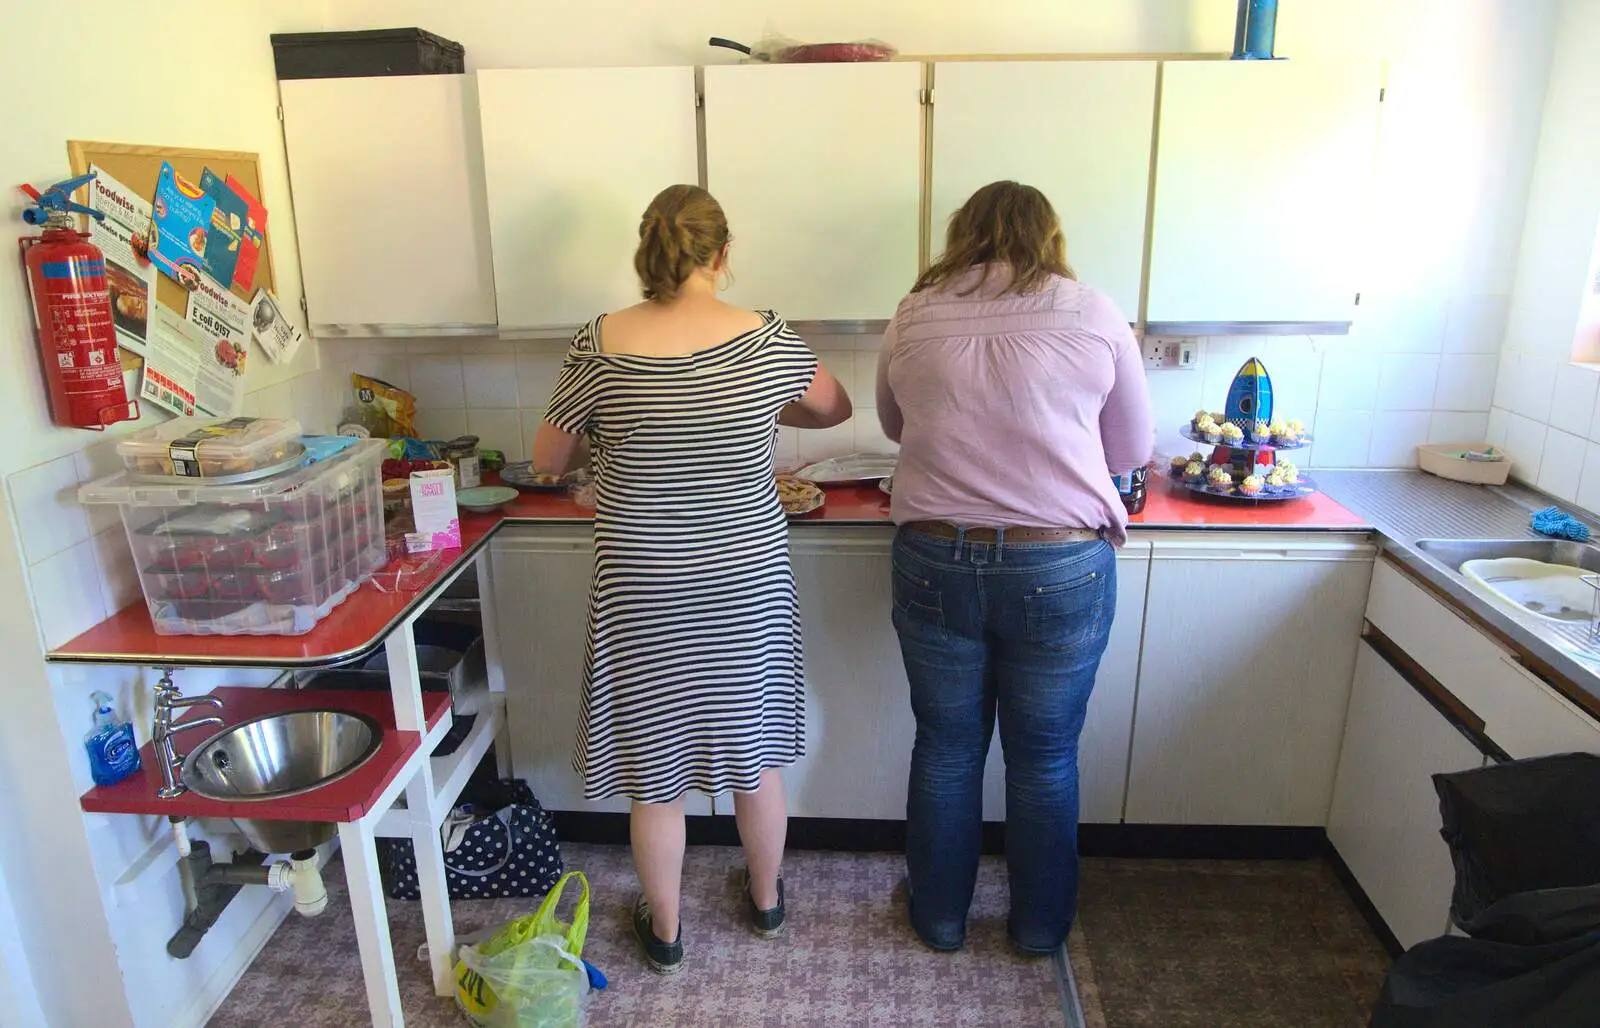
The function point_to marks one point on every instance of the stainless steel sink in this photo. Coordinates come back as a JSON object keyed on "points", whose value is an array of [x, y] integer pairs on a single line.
{"points": [[280, 755], [1453, 553]]}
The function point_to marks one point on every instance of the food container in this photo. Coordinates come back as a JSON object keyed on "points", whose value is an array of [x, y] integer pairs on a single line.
{"points": [[462, 455], [1445, 460], [270, 557], [232, 449]]}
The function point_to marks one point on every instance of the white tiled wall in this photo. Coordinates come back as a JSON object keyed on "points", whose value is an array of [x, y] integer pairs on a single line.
{"points": [[1408, 374]]}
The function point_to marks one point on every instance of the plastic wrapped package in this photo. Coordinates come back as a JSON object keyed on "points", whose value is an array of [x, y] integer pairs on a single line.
{"points": [[271, 557], [212, 448]]}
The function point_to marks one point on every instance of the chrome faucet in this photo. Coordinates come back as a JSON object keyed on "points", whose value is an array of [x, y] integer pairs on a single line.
{"points": [[169, 699]]}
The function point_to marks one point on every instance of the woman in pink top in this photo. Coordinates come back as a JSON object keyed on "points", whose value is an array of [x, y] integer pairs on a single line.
{"points": [[1016, 393]]}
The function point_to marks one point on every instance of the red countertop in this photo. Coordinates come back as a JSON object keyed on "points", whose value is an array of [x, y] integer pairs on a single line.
{"points": [[347, 799], [363, 621]]}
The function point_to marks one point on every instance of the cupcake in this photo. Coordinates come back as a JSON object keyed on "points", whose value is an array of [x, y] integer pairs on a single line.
{"points": [[1252, 486], [1296, 426], [1211, 431], [1290, 473], [1232, 435], [1220, 478], [1197, 455], [1199, 416], [1285, 436], [1177, 464], [1276, 482], [1261, 433], [1194, 471]]}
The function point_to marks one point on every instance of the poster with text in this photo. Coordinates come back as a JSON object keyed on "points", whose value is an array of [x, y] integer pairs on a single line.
{"points": [[181, 219], [123, 236], [224, 317], [184, 371], [255, 236], [228, 220], [274, 333]]}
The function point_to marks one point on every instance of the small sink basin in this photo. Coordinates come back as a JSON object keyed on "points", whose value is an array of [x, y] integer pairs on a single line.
{"points": [[1453, 553], [280, 755]]}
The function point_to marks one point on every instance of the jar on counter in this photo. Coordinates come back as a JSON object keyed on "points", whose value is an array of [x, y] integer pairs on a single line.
{"points": [[462, 454], [1131, 488]]}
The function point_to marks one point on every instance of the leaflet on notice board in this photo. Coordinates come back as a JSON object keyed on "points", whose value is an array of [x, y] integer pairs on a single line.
{"points": [[225, 318], [123, 236], [185, 371], [182, 220]]}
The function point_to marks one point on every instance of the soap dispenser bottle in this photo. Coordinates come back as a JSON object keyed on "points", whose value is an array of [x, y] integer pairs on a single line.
{"points": [[113, 750]]}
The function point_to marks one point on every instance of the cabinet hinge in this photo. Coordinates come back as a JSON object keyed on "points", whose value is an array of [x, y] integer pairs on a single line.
{"points": [[925, 97], [1358, 299], [699, 101], [305, 308], [1382, 92], [280, 112]]}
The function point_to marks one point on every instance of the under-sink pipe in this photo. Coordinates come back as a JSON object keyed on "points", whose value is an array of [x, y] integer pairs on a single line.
{"points": [[208, 887], [300, 875]]}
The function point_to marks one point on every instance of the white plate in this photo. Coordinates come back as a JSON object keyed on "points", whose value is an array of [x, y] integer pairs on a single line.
{"points": [[852, 469]]}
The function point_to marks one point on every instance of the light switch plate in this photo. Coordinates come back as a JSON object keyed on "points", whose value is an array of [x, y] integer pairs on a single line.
{"points": [[1169, 354]]}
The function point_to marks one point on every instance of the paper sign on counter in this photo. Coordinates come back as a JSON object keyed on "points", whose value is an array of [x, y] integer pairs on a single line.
{"points": [[433, 507], [123, 236], [183, 371], [274, 333]]}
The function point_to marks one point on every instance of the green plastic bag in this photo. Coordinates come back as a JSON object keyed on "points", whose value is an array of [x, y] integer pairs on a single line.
{"points": [[528, 974]]}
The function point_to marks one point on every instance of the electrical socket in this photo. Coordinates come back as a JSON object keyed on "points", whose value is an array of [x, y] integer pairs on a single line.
{"points": [[1170, 354]]}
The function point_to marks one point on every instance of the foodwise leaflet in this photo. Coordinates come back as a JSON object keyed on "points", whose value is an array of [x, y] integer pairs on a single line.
{"points": [[123, 236], [224, 318], [188, 372]]}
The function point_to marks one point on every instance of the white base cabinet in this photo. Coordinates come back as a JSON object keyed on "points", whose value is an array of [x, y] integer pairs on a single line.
{"points": [[1249, 648], [1385, 817]]}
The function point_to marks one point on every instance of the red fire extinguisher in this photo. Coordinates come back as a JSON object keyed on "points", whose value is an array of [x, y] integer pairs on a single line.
{"points": [[72, 312]]}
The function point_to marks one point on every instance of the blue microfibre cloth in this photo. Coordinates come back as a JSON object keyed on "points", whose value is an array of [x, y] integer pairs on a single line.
{"points": [[1558, 524]]}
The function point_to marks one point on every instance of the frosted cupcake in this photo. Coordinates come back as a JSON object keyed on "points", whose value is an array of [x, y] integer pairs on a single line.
{"points": [[1252, 486], [1261, 433], [1194, 471], [1285, 434], [1232, 434], [1199, 416], [1177, 464], [1210, 430], [1219, 477], [1290, 473], [1276, 482]]}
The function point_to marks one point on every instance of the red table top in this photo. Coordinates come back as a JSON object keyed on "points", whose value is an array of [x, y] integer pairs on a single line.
{"points": [[347, 799], [363, 621]]}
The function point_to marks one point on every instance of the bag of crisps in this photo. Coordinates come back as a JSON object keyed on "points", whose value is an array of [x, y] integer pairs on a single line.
{"points": [[386, 411]]}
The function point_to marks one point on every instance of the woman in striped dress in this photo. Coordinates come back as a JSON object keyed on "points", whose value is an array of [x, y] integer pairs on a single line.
{"points": [[693, 676]]}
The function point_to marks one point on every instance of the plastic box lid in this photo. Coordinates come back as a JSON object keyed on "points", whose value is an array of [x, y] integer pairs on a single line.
{"points": [[196, 448], [128, 489]]}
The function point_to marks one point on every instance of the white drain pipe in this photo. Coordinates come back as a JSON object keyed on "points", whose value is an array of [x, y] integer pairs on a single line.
{"points": [[301, 876]]}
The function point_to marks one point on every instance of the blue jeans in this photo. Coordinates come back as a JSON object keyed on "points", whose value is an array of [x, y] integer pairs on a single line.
{"points": [[1018, 629]]}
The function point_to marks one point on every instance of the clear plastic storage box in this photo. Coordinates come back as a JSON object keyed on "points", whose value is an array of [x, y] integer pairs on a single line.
{"points": [[271, 557]]}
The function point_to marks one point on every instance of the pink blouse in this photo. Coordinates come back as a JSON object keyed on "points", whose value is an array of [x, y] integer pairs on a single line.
{"points": [[1013, 410]]}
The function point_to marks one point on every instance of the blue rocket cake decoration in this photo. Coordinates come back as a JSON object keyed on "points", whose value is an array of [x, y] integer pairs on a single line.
{"points": [[1250, 395]]}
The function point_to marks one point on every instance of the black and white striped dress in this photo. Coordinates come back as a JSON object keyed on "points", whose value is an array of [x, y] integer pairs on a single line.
{"points": [[694, 676]]}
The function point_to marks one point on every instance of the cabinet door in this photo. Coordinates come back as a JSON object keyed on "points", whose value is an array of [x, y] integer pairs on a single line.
{"points": [[819, 167], [1080, 131], [1385, 816], [859, 727], [571, 157], [1261, 175], [1103, 747], [389, 204], [1244, 678]]}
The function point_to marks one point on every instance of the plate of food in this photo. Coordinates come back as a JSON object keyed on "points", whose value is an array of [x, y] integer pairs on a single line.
{"points": [[522, 476], [799, 496], [852, 469], [887, 486]]}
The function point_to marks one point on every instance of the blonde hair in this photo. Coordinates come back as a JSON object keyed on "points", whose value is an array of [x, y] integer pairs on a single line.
{"points": [[682, 231], [1004, 223]]}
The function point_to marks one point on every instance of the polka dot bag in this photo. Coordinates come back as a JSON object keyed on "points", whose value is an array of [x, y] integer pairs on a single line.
{"points": [[488, 853]]}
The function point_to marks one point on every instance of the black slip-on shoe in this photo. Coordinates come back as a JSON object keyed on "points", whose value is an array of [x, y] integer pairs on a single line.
{"points": [[663, 957], [768, 924]]}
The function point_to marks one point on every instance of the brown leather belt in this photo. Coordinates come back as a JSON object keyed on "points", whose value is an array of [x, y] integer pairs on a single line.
{"points": [[946, 530]]}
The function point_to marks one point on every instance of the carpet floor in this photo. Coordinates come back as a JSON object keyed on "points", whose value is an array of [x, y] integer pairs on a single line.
{"points": [[1220, 944]]}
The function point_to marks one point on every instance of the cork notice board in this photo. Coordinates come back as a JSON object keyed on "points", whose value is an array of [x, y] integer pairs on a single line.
{"points": [[138, 167]]}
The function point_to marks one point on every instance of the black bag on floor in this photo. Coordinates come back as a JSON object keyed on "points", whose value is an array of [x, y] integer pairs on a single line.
{"points": [[1524, 837], [498, 842]]}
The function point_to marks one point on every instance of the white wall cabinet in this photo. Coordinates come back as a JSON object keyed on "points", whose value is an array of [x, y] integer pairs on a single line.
{"points": [[389, 203], [1385, 816], [1249, 649], [1087, 148], [571, 157], [819, 167], [1262, 170], [1103, 747]]}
